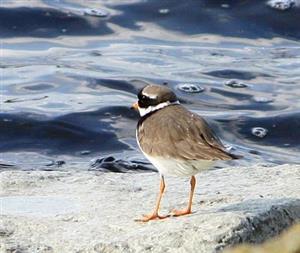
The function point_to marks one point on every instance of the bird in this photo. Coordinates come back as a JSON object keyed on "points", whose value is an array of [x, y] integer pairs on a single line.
{"points": [[175, 140]]}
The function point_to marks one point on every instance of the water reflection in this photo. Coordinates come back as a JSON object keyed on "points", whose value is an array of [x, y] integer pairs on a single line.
{"points": [[68, 92]]}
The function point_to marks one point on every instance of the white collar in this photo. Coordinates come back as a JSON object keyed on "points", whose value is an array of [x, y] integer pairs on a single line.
{"points": [[145, 111]]}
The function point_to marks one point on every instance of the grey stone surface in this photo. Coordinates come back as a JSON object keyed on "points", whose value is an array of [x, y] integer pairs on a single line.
{"points": [[94, 212]]}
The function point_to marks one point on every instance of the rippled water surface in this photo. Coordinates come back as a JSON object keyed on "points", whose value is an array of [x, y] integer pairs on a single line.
{"points": [[71, 69]]}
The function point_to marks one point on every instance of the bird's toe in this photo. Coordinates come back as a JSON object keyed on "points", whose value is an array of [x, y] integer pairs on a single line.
{"points": [[150, 217], [177, 213]]}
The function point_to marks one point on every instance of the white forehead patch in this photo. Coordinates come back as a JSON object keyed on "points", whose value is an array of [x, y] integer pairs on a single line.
{"points": [[152, 96]]}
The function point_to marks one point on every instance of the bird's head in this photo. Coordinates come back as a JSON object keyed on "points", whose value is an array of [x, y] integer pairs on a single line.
{"points": [[154, 97]]}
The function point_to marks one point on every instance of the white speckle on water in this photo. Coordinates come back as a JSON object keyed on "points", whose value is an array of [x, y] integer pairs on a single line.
{"points": [[95, 13], [225, 6], [263, 100], [281, 4], [190, 88], [163, 11], [229, 147], [259, 132], [235, 84], [85, 152]]}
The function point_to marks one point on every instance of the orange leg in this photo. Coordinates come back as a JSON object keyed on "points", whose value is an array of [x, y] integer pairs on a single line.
{"points": [[155, 214], [188, 210]]}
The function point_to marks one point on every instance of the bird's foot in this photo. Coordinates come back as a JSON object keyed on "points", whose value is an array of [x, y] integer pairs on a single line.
{"points": [[177, 213], [153, 216]]}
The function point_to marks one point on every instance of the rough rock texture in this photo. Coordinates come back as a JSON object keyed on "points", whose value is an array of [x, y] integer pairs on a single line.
{"points": [[287, 242], [51, 211]]}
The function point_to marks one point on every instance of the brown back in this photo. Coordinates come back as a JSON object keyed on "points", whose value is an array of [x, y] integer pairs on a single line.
{"points": [[176, 132]]}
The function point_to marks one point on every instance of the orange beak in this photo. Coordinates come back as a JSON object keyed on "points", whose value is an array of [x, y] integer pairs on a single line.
{"points": [[135, 106]]}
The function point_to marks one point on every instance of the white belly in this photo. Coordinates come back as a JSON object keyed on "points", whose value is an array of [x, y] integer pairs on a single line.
{"points": [[179, 168]]}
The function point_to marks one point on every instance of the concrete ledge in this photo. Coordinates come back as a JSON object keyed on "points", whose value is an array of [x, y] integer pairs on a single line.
{"points": [[286, 242], [94, 212]]}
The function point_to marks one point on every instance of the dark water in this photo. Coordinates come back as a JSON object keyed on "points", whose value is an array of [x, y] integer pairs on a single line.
{"points": [[70, 71]]}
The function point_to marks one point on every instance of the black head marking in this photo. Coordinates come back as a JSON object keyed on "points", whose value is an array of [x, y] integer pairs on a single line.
{"points": [[152, 95]]}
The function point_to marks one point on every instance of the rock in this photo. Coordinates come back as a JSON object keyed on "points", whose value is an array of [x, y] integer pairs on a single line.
{"points": [[287, 242], [111, 164], [94, 211]]}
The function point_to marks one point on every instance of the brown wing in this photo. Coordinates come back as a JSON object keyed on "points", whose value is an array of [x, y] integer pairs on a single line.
{"points": [[176, 132]]}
